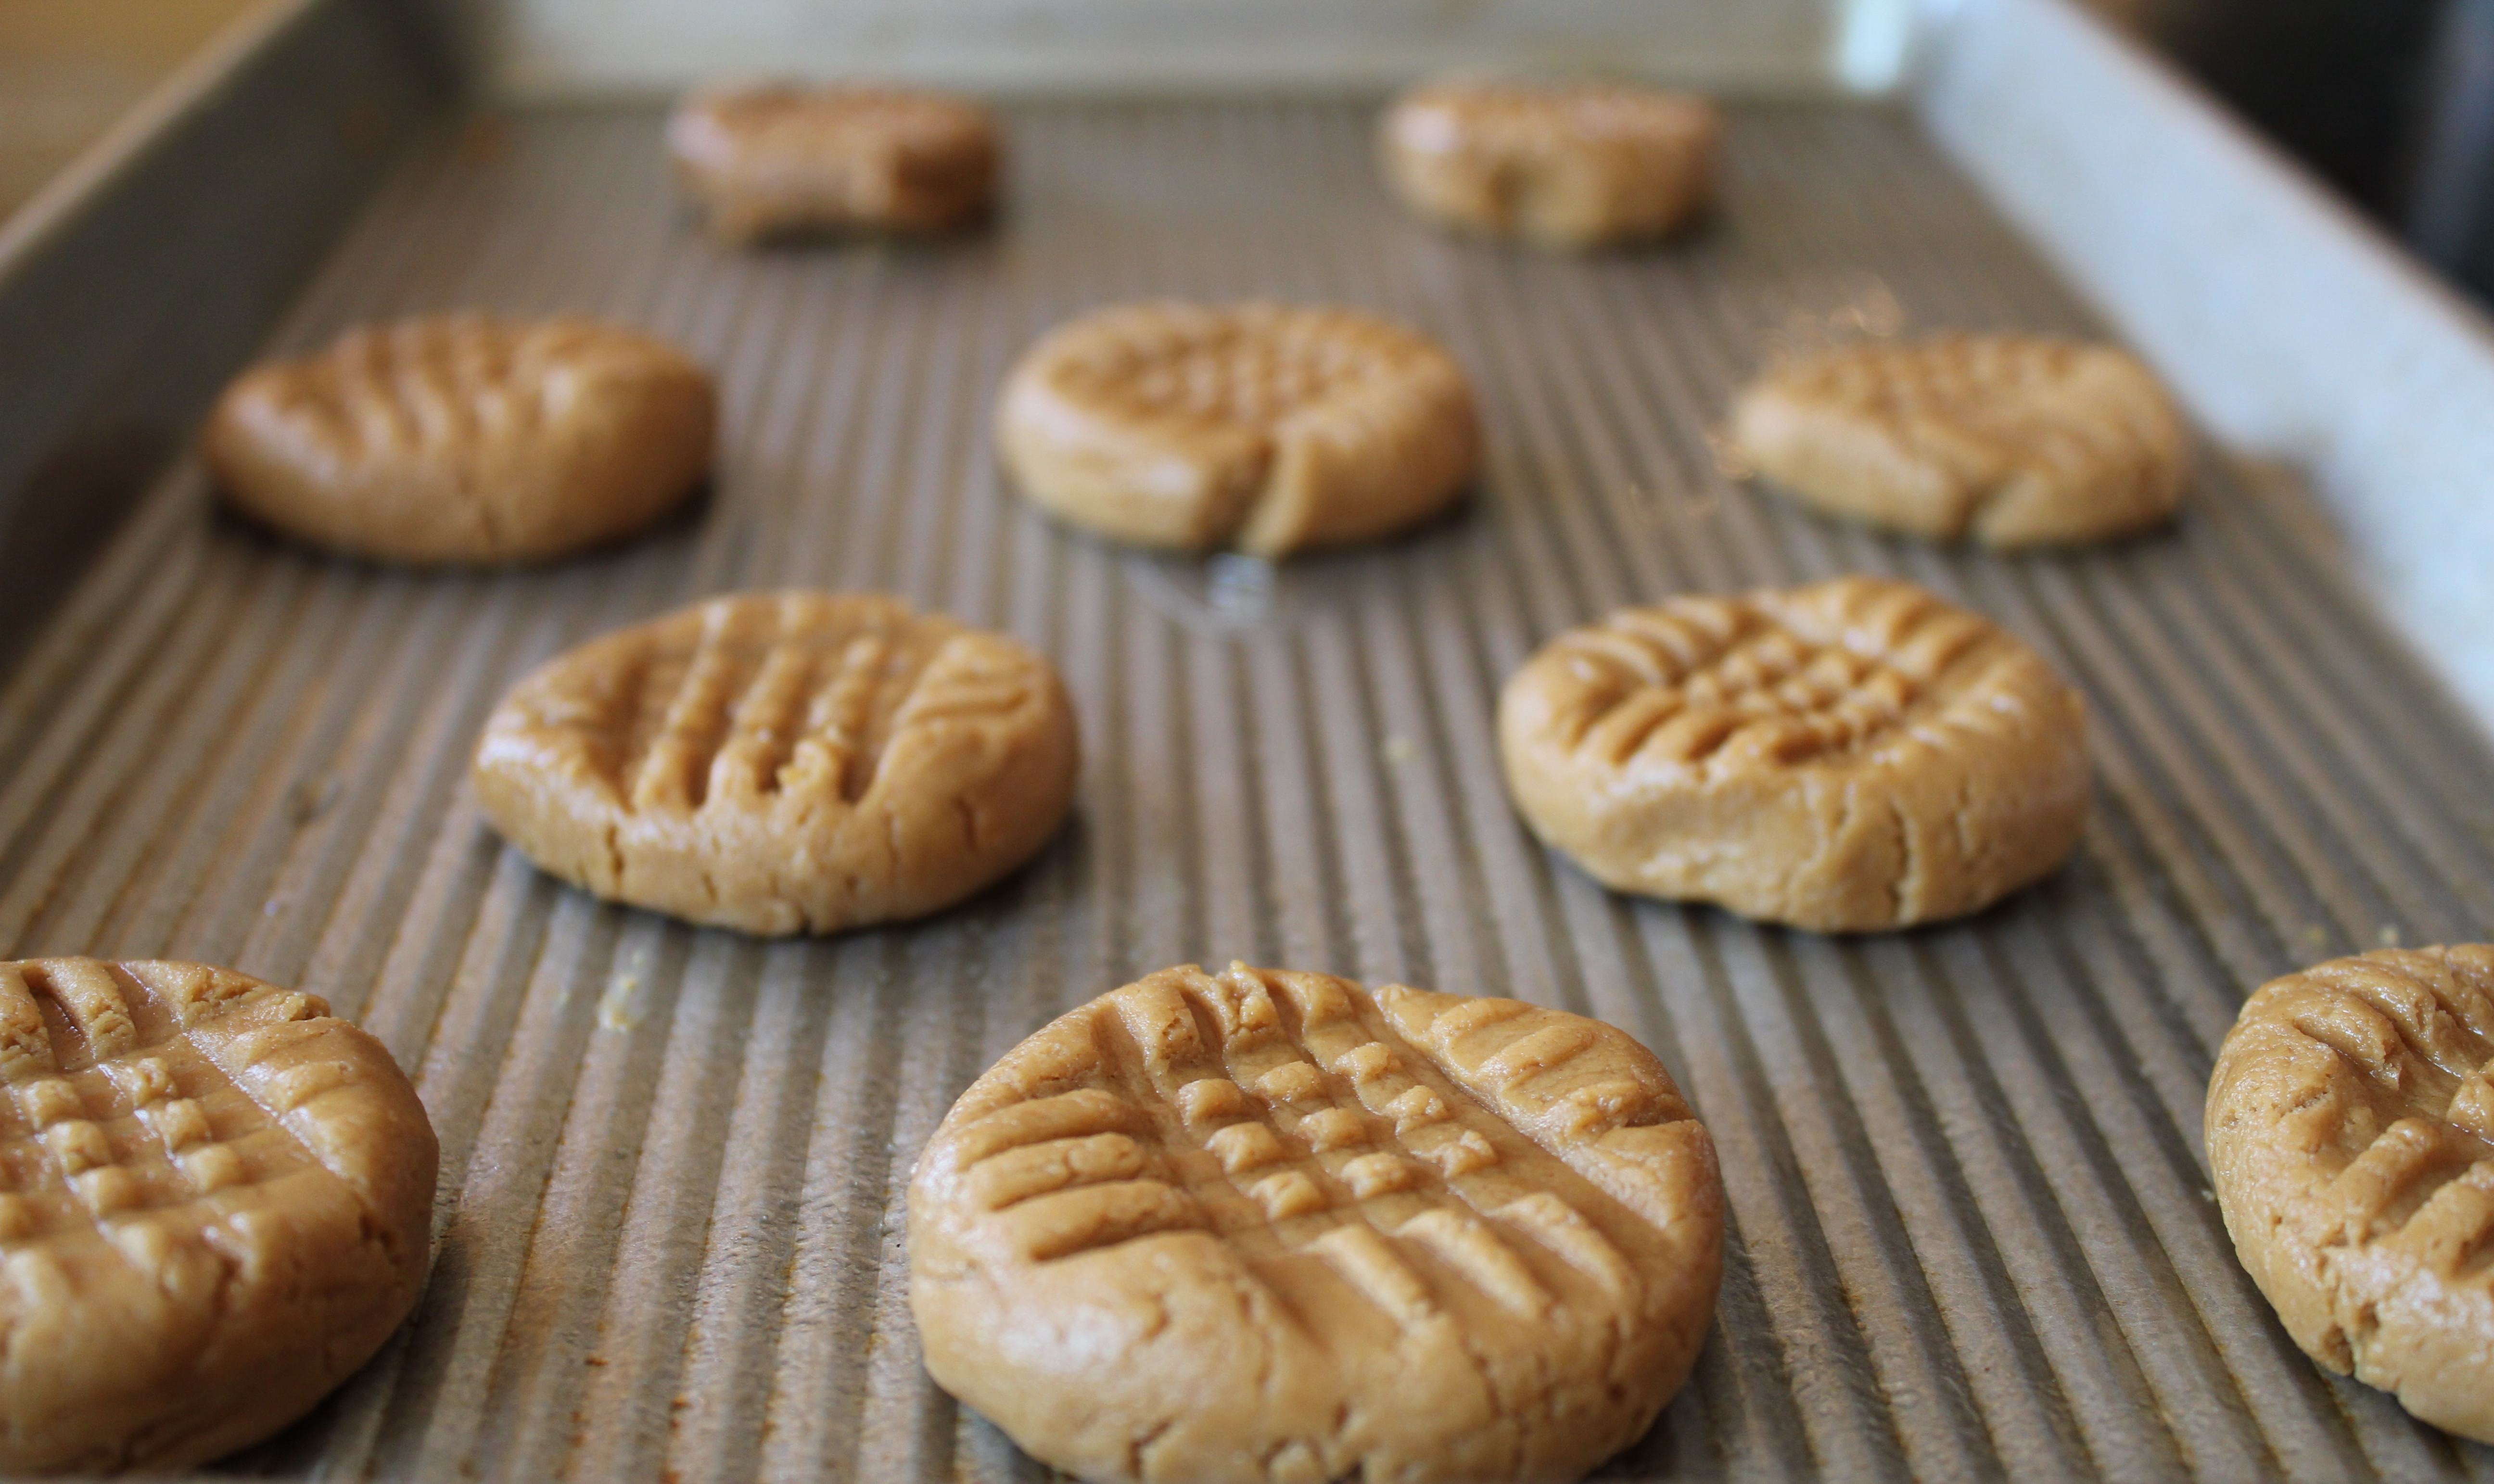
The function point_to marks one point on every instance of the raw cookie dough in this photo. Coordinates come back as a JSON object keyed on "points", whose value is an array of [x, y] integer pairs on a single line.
{"points": [[465, 438], [783, 762], [2012, 439], [1846, 756], [1269, 1225], [1264, 427], [782, 159], [2351, 1133], [216, 1201], [1560, 166]]}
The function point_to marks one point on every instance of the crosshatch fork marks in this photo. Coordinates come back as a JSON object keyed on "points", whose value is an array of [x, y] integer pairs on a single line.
{"points": [[1971, 1148]]}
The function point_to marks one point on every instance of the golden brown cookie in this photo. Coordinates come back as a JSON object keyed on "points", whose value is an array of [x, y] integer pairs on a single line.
{"points": [[2013, 439], [1846, 756], [1264, 427], [1268, 1226], [465, 438], [782, 159], [2351, 1133], [215, 1203], [783, 762], [1562, 165]]}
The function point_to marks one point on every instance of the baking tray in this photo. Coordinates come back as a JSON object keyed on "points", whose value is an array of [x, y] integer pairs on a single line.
{"points": [[1970, 1233]]}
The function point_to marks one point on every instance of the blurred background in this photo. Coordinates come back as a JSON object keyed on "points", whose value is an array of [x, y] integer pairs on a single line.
{"points": [[2389, 102]]}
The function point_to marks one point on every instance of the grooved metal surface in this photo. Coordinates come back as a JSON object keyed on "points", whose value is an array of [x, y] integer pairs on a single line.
{"points": [[1971, 1232]]}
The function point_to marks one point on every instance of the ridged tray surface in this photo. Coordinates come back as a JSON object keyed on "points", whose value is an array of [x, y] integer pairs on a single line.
{"points": [[1971, 1230]]}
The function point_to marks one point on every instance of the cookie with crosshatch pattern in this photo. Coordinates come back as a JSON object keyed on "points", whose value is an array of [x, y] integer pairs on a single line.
{"points": [[1270, 1225], [1560, 165], [467, 438], [1268, 427], [2013, 439], [2350, 1140], [784, 157], [215, 1203], [783, 762], [1846, 756]]}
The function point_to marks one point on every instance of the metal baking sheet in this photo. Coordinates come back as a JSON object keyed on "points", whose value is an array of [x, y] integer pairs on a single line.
{"points": [[1971, 1230]]}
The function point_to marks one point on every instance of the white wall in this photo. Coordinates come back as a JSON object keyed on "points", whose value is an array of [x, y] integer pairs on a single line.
{"points": [[540, 48]]}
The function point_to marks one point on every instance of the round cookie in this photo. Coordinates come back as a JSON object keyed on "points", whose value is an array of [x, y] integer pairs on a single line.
{"points": [[1846, 756], [1268, 427], [2350, 1137], [782, 159], [2013, 439], [215, 1203], [465, 438], [783, 762], [1267, 1225], [1560, 166]]}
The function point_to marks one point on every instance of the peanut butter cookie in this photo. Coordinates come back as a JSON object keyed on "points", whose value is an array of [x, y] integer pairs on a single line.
{"points": [[783, 762], [1267, 1225], [1562, 165], [215, 1203], [1846, 756], [2351, 1133], [1263, 427], [782, 159], [2013, 439], [464, 439]]}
